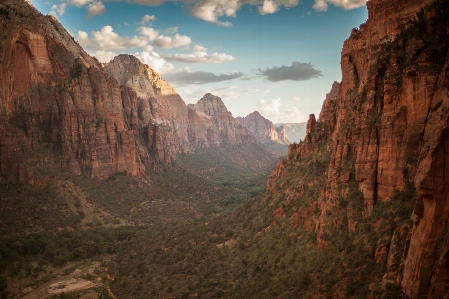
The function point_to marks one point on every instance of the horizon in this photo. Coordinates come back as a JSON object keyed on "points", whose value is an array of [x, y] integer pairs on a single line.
{"points": [[208, 47]]}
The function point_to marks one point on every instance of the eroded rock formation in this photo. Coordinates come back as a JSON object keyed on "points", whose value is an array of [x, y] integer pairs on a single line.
{"points": [[265, 132], [120, 117], [386, 126]]}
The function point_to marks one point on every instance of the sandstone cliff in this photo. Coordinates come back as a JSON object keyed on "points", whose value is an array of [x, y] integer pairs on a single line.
{"points": [[54, 93], [265, 132], [122, 117], [385, 129], [213, 125]]}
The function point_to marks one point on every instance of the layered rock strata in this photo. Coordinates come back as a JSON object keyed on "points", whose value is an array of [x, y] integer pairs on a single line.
{"points": [[265, 132], [386, 127], [122, 117]]}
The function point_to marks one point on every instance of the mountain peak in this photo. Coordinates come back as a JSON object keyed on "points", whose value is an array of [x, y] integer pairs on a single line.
{"points": [[129, 70], [210, 105]]}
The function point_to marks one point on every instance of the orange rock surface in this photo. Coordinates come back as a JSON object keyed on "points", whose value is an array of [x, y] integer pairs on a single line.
{"points": [[103, 119], [388, 122]]}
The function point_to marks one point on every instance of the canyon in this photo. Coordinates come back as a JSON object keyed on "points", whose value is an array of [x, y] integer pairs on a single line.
{"points": [[120, 117], [358, 209]]}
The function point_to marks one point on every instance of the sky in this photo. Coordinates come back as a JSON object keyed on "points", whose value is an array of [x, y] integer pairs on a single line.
{"points": [[279, 57]]}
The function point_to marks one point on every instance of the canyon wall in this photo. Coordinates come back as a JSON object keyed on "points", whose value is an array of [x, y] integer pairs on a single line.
{"points": [[100, 120], [385, 127], [265, 132]]}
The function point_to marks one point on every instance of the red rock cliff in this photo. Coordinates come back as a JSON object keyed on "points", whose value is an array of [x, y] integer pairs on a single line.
{"points": [[52, 92], [388, 122], [122, 117]]}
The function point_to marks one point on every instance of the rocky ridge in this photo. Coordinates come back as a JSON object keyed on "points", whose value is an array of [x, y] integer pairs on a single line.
{"points": [[295, 131], [265, 132], [101, 120]]}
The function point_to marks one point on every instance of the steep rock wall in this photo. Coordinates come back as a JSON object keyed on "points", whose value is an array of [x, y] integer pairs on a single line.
{"points": [[52, 92], [98, 119], [387, 122]]}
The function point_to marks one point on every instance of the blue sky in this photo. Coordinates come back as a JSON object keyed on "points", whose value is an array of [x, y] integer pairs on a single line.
{"points": [[279, 57]]}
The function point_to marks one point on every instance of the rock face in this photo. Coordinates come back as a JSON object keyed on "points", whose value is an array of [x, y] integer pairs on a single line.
{"points": [[295, 131], [265, 132], [52, 92], [122, 117], [212, 124], [386, 127]]}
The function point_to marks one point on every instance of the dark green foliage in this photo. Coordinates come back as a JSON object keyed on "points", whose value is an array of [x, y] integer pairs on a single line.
{"points": [[58, 250], [3, 287]]}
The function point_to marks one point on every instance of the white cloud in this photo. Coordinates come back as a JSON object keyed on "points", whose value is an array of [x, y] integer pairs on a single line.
{"points": [[322, 5], [147, 19], [274, 111], [83, 39], [212, 10], [200, 55], [150, 32], [268, 7], [96, 8], [168, 42], [224, 24], [80, 2], [171, 30], [104, 56], [60, 9], [107, 39], [153, 59], [297, 99]]}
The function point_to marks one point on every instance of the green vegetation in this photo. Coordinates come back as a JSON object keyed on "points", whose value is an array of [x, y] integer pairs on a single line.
{"points": [[18, 253], [173, 192], [269, 248]]}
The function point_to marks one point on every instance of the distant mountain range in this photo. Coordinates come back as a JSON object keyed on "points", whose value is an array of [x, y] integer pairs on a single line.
{"points": [[295, 131]]}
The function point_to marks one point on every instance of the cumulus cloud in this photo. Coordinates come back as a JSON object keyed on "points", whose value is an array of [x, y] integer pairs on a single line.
{"points": [[200, 55], [298, 71], [104, 56], [96, 8], [58, 9], [168, 42], [146, 19], [107, 39], [268, 7], [83, 39], [212, 10], [154, 60], [187, 76], [80, 2], [274, 111], [149, 32], [322, 5]]}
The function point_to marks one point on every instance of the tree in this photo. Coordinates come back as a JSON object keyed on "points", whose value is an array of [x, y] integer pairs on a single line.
{"points": [[3, 287]]}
